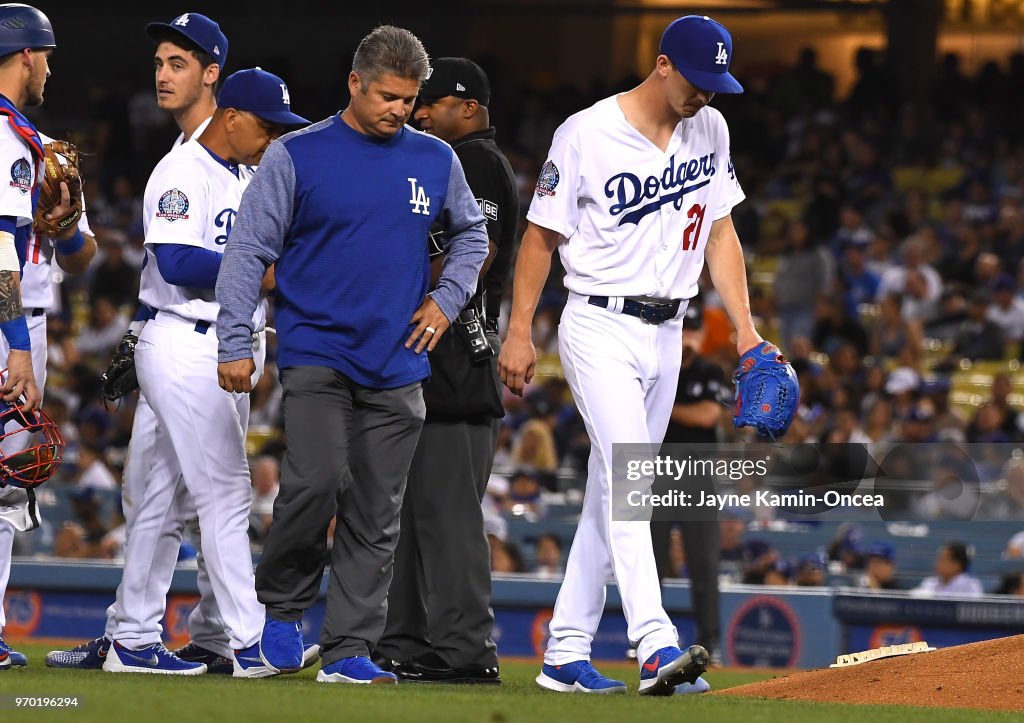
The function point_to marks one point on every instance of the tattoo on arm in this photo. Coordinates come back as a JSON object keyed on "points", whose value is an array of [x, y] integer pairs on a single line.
{"points": [[10, 297]]}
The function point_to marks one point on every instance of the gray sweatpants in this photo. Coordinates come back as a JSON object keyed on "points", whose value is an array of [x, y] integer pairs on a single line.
{"points": [[349, 450]]}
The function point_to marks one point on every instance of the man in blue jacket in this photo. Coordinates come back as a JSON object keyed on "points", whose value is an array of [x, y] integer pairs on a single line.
{"points": [[343, 208]]}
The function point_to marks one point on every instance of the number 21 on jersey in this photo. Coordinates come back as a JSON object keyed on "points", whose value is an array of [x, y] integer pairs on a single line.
{"points": [[692, 233]]}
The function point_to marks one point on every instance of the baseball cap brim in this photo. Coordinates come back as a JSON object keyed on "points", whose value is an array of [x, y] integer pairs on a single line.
{"points": [[157, 31], [281, 117], [715, 82]]}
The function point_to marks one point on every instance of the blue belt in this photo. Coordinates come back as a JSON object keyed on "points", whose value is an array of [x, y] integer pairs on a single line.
{"points": [[653, 312]]}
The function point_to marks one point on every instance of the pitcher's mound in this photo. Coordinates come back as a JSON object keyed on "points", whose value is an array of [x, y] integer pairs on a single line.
{"points": [[980, 675]]}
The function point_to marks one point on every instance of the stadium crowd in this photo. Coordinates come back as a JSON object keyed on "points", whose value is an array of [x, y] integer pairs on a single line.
{"points": [[885, 242]]}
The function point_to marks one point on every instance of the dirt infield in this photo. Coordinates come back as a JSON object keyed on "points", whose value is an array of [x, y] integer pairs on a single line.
{"points": [[988, 675]]}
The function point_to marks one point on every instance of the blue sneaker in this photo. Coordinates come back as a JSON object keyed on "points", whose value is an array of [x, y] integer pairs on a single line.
{"points": [[150, 659], [700, 686], [87, 656], [359, 669], [281, 645], [578, 676], [216, 664], [11, 658], [669, 667]]}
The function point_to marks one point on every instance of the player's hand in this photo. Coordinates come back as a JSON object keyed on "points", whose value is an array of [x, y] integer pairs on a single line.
{"points": [[747, 340], [236, 376], [21, 380], [517, 363], [63, 210], [431, 324]]}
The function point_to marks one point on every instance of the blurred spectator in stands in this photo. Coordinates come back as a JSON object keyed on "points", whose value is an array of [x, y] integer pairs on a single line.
{"points": [[810, 570], [106, 327], [898, 279], [917, 426], [111, 275], [919, 304], [81, 536], [545, 329], [549, 555], [535, 448], [859, 283], [61, 351], [803, 273], [960, 264], [93, 470], [506, 557], [845, 547], [853, 231], [1009, 241], [951, 578], [524, 495], [503, 452], [780, 573], [987, 426], [950, 422], [979, 208], [880, 573], [1011, 584], [836, 326], [805, 83], [266, 478], [265, 400], [1008, 505], [954, 494], [978, 338], [952, 312], [1007, 311], [676, 554], [892, 332], [986, 270], [1002, 386], [901, 386]]}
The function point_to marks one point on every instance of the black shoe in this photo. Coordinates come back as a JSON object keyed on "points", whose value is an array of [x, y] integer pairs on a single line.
{"points": [[431, 668], [216, 663]]}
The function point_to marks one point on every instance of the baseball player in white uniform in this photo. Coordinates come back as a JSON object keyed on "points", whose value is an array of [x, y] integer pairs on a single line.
{"points": [[17, 509], [26, 41], [190, 52], [635, 194], [190, 203]]}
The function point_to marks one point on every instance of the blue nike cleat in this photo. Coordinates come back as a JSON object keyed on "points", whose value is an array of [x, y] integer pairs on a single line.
{"points": [[580, 676], [358, 669], [700, 686], [11, 658], [87, 656], [216, 664], [248, 664], [281, 646], [670, 667], [150, 659]]}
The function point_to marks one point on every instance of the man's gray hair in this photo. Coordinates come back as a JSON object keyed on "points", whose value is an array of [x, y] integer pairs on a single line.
{"points": [[390, 51]]}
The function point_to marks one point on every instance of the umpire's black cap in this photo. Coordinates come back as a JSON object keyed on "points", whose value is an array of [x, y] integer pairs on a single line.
{"points": [[460, 77]]}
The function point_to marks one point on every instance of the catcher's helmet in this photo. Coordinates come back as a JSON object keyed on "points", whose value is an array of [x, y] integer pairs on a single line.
{"points": [[22, 26], [38, 441]]}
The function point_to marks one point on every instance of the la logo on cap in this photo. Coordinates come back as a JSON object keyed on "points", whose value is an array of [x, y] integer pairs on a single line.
{"points": [[723, 57]]}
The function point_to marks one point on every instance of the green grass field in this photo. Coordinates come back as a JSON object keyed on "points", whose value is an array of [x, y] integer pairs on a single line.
{"points": [[298, 699]]}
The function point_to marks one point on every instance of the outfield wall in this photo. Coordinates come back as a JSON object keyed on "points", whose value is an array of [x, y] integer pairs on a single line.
{"points": [[761, 626]]}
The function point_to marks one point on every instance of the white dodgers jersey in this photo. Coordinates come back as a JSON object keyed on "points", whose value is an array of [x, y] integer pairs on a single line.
{"points": [[191, 199], [19, 171], [635, 219]]}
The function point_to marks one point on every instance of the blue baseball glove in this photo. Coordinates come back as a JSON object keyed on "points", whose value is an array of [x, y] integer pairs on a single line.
{"points": [[767, 391]]}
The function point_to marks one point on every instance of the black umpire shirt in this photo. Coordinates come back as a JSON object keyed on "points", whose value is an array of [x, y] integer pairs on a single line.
{"points": [[699, 381], [491, 180]]}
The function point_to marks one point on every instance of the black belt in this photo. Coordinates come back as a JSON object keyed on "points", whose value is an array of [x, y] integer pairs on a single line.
{"points": [[201, 326], [653, 312], [35, 312]]}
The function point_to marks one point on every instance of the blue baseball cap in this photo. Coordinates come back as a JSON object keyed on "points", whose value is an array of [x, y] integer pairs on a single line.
{"points": [[701, 50], [197, 28], [881, 549], [261, 93]]}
